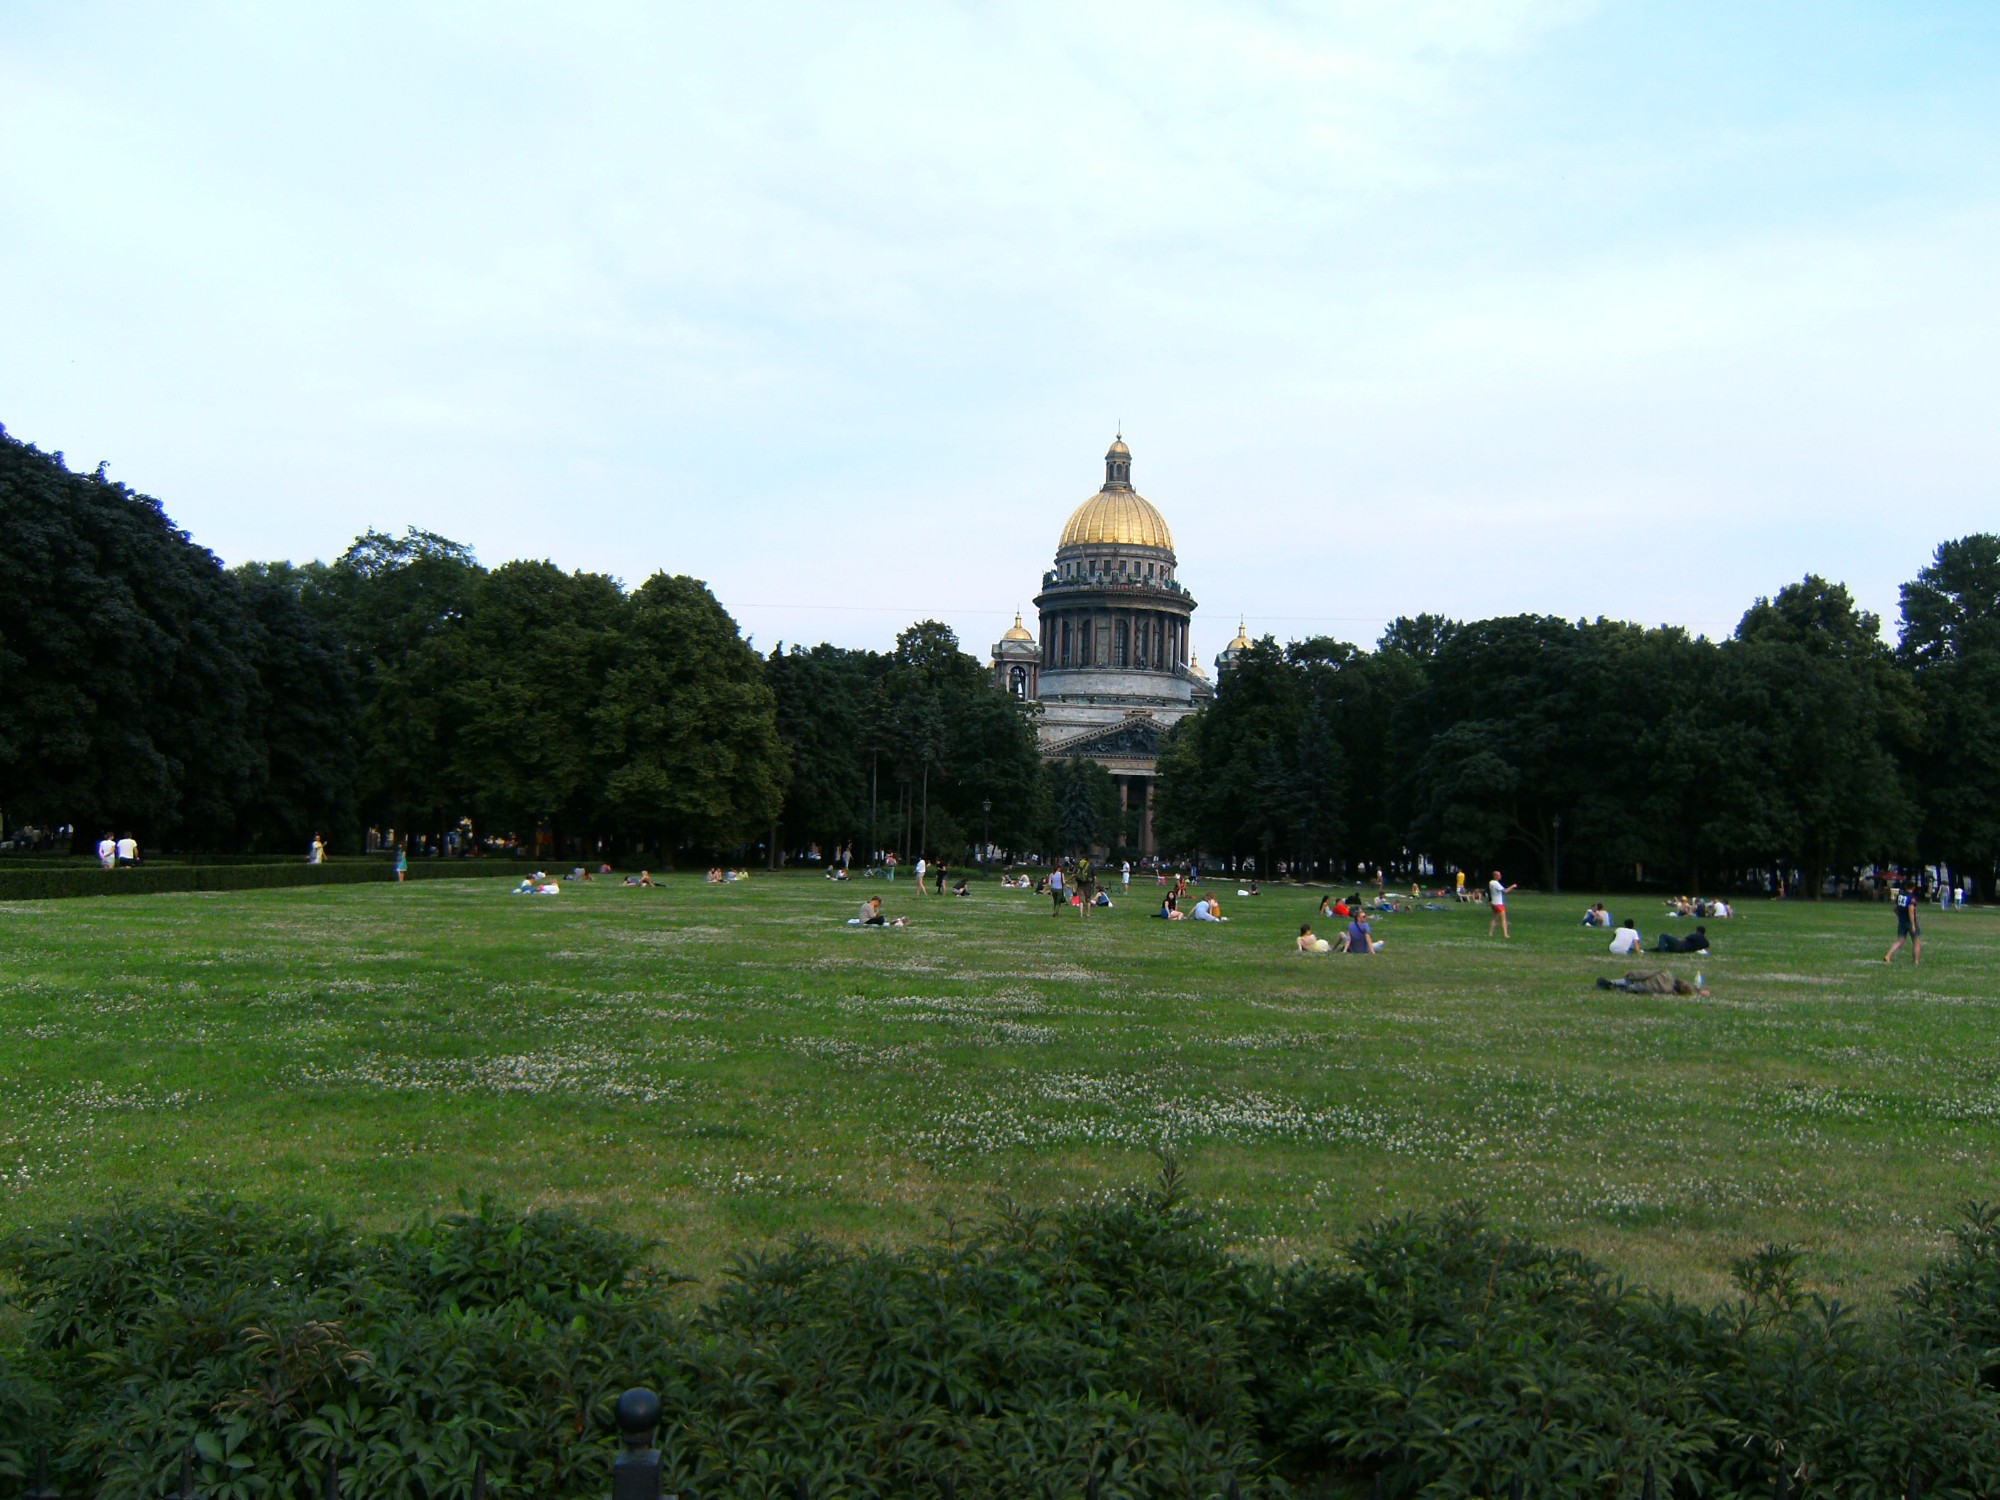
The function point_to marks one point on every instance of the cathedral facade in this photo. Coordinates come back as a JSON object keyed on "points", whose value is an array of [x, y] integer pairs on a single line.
{"points": [[1110, 665]]}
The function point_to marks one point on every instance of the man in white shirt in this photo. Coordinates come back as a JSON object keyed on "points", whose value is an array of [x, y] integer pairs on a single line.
{"points": [[1627, 940], [128, 850], [107, 851], [1125, 875]]}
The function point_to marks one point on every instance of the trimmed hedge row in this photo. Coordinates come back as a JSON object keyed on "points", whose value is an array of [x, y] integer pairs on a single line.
{"points": [[145, 880]]}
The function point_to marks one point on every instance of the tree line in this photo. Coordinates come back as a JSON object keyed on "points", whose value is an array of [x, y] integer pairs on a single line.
{"points": [[1803, 747], [403, 686]]}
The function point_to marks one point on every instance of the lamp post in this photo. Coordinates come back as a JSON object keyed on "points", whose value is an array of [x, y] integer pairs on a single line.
{"points": [[985, 828]]}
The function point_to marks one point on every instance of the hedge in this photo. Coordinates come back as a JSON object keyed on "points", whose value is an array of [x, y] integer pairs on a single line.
{"points": [[43, 884], [1114, 1347]]}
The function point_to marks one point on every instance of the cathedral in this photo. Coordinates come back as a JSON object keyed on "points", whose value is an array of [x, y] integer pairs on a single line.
{"points": [[1111, 667]]}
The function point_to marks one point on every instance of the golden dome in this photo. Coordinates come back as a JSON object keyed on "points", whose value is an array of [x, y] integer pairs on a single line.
{"points": [[1117, 518], [1194, 666], [1242, 641], [1017, 632]]}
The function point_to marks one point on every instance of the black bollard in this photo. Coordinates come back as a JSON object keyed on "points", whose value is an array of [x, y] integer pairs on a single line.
{"points": [[479, 1478], [1649, 1487], [1913, 1490], [1517, 1489], [1233, 1492], [1375, 1488], [635, 1473], [801, 1490], [42, 1489], [331, 1489], [948, 1488], [1783, 1489], [187, 1472]]}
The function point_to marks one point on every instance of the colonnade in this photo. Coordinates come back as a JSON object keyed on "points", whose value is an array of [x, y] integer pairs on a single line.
{"points": [[1145, 639]]}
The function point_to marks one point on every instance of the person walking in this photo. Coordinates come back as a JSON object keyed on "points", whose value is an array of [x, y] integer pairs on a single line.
{"points": [[1125, 877], [1056, 889], [1908, 928], [889, 864], [107, 852], [922, 866], [1086, 885], [128, 850], [1496, 897], [942, 870]]}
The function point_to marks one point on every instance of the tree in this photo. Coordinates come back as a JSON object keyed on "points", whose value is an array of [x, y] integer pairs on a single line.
{"points": [[957, 741], [1083, 807], [127, 654], [688, 725], [517, 681], [389, 599], [303, 713], [824, 701], [1813, 689], [1950, 642]]}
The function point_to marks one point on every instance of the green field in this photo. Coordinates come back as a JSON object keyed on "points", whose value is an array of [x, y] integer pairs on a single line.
{"points": [[721, 1065]]}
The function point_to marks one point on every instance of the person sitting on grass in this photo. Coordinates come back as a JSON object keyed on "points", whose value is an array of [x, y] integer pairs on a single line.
{"points": [[1649, 982], [1308, 943], [1626, 940], [1204, 911], [871, 916], [1102, 898], [963, 888], [1360, 937], [1694, 942]]}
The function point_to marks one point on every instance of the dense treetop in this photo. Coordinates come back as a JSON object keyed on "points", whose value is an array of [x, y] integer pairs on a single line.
{"points": [[404, 686]]}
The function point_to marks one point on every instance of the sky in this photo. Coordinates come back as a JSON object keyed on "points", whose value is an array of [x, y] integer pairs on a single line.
{"points": [[1470, 307]]}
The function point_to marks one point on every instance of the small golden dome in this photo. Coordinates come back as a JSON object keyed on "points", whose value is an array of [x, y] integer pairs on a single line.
{"points": [[1017, 632], [1117, 518], [1242, 641], [1194, 666]]}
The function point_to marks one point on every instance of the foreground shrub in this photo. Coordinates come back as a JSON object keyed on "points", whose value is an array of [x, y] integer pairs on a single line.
{"points": [[1116, 1340]]}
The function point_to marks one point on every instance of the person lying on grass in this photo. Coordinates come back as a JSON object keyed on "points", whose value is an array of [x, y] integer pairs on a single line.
{"points": [[1649, 982], [1310, 944], [1694, 942]]}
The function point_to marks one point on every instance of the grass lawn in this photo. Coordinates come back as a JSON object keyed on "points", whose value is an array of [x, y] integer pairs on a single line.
{"points": [[721, 1065]]}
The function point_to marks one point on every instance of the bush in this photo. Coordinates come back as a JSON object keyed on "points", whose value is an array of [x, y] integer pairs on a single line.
{"points": [[1445, 1359], [43, 883]]}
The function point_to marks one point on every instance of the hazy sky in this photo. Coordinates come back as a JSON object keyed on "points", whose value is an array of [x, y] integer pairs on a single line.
{"points": [[1473, 307]]}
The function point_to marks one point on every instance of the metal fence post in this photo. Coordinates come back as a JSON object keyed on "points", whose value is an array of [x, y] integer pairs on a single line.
{"points": [[331, 1489], [187, 1472], [1649, 1487], [635, 1474], [479, 1477], [1782, 1490]]}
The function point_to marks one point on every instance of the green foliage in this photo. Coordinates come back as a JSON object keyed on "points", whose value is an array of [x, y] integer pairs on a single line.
{"points": [[687, 724], [1115, 1338], [44, 882], [1081, 807]]}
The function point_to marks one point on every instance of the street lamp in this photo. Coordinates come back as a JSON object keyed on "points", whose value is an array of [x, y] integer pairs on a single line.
{"points": [[985, 828]]}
